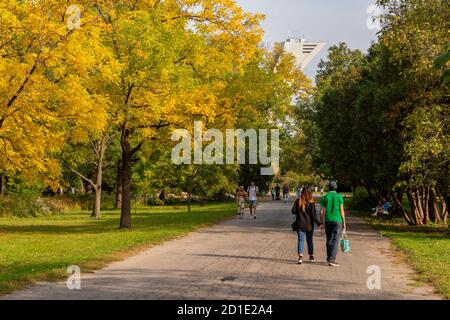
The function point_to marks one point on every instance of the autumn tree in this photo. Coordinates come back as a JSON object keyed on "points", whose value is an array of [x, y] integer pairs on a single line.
{"points": [[47, 66], [174, 55]]}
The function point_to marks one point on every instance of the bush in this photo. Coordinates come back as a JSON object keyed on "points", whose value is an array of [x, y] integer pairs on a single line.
{"points": [[82, 201], [361, 200], [33, 204], [23, 205], [155, 202], [61, 204]]}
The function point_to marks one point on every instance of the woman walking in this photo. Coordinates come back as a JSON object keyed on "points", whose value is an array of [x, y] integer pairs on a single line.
{"points": [[241, 197], [305, 211], [286, 193]]}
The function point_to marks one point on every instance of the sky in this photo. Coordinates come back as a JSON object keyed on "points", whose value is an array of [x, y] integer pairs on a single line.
{"points": [[331, 21]]}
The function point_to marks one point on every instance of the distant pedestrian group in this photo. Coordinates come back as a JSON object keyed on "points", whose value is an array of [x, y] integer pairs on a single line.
{"points": [[251, 195], [276, 193]]}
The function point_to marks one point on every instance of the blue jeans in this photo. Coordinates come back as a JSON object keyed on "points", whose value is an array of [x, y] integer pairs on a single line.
{"points": [[309, 241]]}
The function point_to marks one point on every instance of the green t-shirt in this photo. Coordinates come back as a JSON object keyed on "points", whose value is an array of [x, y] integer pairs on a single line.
{"points": [[332, 202]]}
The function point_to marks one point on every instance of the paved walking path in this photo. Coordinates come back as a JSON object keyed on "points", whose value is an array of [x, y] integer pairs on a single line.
{"points": [[245, 259]]}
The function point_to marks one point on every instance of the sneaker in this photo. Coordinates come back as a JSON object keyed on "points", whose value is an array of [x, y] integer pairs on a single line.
{"points": [[300, 261], [311, 259], [333, 264]]}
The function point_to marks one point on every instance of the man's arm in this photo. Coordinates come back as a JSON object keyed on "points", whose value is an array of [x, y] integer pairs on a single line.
{"points": [[344, 224], [322, 217], [316, 219]]}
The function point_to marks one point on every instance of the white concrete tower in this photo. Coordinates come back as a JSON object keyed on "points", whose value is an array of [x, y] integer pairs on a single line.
{"points": [[304, 51]]}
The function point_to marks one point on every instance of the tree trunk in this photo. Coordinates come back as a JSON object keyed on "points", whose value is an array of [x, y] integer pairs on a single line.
{"points": [[97, 203], [396, 210], [118, 204], [99, 148], [100, 151], [189, 203], [118, 201], [402, 210], [2, 184], [445, 214], [418, 198], [413, 205], [125, 213], [434, 206], [426, 211], [98, 187], [189, 192], [445, 209]]}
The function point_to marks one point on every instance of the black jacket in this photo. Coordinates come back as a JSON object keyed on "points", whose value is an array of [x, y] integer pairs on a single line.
{"points": [[305, 219]]}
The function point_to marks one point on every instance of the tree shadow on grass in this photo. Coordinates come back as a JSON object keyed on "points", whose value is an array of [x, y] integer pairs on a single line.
{"points": [[54, 229], [422, 231], [146, 222]]}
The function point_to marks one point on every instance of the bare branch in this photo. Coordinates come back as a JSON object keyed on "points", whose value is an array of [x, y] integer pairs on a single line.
{"points": [[83, 177]]}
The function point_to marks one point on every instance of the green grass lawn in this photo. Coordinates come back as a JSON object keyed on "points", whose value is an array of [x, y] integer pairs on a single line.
{"points": [[42, 248], [427, 248]]}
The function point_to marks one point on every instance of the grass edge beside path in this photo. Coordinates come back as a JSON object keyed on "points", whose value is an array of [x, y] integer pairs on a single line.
{"points": [[41, 249], [425, 248]]}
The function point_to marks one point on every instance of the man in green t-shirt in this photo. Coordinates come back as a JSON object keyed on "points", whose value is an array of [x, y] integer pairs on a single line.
{"points": [[332, 212]]}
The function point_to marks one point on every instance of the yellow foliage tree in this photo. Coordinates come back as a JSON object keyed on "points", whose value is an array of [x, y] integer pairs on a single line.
{"points": [[47, 67], [175, 56]]}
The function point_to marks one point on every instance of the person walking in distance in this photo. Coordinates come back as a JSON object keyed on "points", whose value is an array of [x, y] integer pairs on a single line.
{"points": [[286, 193], [332, 212], [237, 201], [252, 198], [241, 197], [277, 192]]}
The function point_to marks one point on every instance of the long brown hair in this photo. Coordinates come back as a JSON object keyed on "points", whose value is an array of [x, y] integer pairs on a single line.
{"points": [[305, 198]]}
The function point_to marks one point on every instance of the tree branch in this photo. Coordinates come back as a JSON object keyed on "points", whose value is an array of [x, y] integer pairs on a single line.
{"points": [[83, 177]]}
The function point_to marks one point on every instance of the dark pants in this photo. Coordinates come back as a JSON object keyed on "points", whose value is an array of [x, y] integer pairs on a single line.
{"points": [[333, 231]]}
